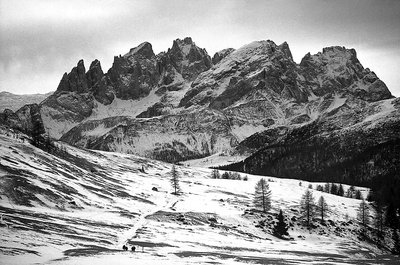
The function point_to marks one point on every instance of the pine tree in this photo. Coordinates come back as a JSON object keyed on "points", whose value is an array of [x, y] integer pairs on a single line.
{"points": [[225, 175], [334, 188], [215, 174], [37, 131], [322, 207], [327, 188], [358, 195], [350, 192], [175, 180], [396, 242], [307, 206], [280, 229], [391, 219], [48, 143], [371, 196], [379, 220], [363, 213], [340, 191], [262, 195]]}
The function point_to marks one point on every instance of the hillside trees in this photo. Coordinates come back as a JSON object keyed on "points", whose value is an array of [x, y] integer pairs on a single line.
{"points": [[363, 213], [334, 189], [327, 188], [391, 219], [350, 191], [322, 208], [396, 242], [37, 133], [215, 174], [262, 195], [378, 218], [358, 195], [280, 229], [307, 206], [174, 179], [340, 190]]}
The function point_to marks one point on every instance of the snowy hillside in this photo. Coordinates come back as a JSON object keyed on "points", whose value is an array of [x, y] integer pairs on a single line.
{"points": [[82, 206]]}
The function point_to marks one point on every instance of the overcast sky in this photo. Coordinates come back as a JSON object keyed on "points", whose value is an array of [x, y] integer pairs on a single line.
{"points": [[40, 40]]}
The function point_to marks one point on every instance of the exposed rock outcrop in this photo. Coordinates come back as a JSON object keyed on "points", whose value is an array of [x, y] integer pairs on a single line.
{"points": [[75, 81], [27, 119], [218, 56]]}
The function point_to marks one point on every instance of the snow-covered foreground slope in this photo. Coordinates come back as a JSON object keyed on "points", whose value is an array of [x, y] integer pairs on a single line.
{"points": [[81, 206]]}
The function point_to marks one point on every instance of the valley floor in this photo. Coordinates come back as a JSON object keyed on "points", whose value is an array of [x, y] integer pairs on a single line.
{"points": [[81, 207]]}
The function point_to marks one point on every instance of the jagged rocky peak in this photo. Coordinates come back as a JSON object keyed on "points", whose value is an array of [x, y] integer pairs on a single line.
{"points": [[80, 81], [95, 65], [264, 51], [94, 74], [218, 56], [144, 50], [188, 59], [284, 47], [260, 67], [332, 55], [337, 70], [133, 75], [334, 50], [182, 46], [75, 81]]}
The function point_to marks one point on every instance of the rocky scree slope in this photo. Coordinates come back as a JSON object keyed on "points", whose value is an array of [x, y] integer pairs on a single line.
{"points": [[181, 104]]}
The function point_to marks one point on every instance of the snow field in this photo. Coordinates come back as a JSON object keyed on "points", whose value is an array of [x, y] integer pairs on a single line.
{"points": [[105, 200]]}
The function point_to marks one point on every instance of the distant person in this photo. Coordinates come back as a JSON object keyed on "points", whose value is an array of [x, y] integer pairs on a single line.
{"points": [[133, 248], [124, 247]]}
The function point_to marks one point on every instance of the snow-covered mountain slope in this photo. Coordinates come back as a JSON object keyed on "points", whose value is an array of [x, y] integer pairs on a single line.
{"points": [[14, 102], [79, 206]]}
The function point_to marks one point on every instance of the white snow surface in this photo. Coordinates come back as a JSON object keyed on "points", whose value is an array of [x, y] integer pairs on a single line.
{"points": [[80, 208], [385, 107], [55, 127], [119, 107]]}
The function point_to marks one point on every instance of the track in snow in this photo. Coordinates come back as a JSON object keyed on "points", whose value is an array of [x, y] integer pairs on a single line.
{"points": [[125, 237]]}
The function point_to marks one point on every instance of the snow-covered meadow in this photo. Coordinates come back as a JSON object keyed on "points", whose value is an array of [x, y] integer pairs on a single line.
{"points": [[82, 206]]}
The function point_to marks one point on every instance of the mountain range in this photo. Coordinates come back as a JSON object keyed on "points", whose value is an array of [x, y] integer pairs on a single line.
{"points": [[15, 102], [327, 117]]}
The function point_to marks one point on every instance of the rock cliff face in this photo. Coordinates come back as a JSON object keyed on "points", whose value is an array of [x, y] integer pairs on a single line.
{"points": [[139, 75], [26, 119], [338, 69], [181, 104], [133, 75], [218, 56]]}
